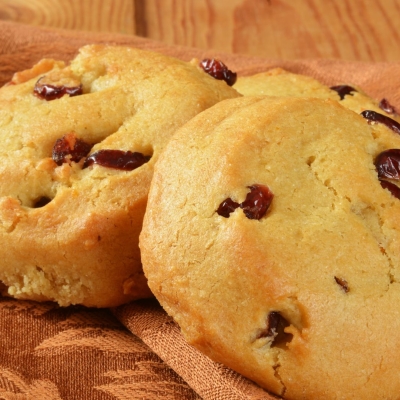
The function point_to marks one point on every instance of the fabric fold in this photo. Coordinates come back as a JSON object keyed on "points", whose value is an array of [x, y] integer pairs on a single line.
{"points": [[212, 381]]}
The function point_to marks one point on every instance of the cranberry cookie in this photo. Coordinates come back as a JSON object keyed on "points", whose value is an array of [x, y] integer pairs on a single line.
{"points": [[79, 143], [282, 83], [277, 248]]}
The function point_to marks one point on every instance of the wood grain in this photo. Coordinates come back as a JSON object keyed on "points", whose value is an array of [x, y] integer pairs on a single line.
{"points": [[364, 30], [88, 15], [351, 30]]}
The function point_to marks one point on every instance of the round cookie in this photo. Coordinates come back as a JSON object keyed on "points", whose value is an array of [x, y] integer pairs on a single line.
{"points": [[79, 143], [282, 83], [358, 102], [277, 250]]}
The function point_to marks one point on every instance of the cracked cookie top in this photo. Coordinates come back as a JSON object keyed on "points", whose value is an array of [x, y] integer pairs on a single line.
{"points": [[79, 142], [277, 248]]}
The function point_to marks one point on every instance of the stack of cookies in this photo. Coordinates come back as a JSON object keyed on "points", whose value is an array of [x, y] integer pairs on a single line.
{"points": [[262, 212], [277, 248]]}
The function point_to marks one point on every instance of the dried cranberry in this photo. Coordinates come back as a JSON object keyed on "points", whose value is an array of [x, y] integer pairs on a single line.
{"points": [[218, 70], [3, 288], [393, 189], [51, 92], [275, 329], [387, 107], [255, 205], [343, 90], [373, 116], [342, 283], [226, 207], [118, 159], [257, 201], [70, 148], [41, 202], [388, 164]]}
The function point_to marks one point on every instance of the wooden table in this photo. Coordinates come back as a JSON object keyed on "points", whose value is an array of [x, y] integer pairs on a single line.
{"points": [[364, 30]]}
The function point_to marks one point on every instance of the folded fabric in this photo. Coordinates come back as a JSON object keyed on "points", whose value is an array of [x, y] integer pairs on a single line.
{"points": [[134, 351]]}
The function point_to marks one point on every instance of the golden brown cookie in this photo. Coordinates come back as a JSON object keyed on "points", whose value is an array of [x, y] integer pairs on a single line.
{"points": [[79, 143], [277, 248], [282, 83]]}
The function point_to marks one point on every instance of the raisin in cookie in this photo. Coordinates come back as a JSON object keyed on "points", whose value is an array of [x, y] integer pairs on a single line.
{"points": [[277, 248], [79, 143]]}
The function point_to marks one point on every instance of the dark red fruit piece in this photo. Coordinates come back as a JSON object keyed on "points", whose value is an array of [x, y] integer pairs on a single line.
{"points": [[388, 164], [41, 202], [226, 207], [387, 107], [373, 116], [343, 90], [257, 201], [393, 189], [218, 70], [342, 283], [3, 288], [51, 92], [69, 148], [118, 159], [275, 329]]}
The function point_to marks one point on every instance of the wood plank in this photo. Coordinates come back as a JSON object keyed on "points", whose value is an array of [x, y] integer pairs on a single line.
{"points": [[350, 30], [88, 15], [362, 30]]}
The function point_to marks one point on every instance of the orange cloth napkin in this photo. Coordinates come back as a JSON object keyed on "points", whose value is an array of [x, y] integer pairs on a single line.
{"points": [[134, 351]]}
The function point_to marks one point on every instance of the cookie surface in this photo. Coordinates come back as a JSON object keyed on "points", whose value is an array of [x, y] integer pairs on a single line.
{"points": [[303, 297], [282, 83], [68, 227]]}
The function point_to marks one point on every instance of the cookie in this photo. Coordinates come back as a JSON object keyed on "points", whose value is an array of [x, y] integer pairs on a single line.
{"points": [[79, 143], [282, 83], [277, 248]]}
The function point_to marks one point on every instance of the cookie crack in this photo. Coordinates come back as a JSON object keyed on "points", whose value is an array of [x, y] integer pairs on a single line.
{"points": [[378, 368], [390, 274], [368, 215], [276, 367], [326, 182]]}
